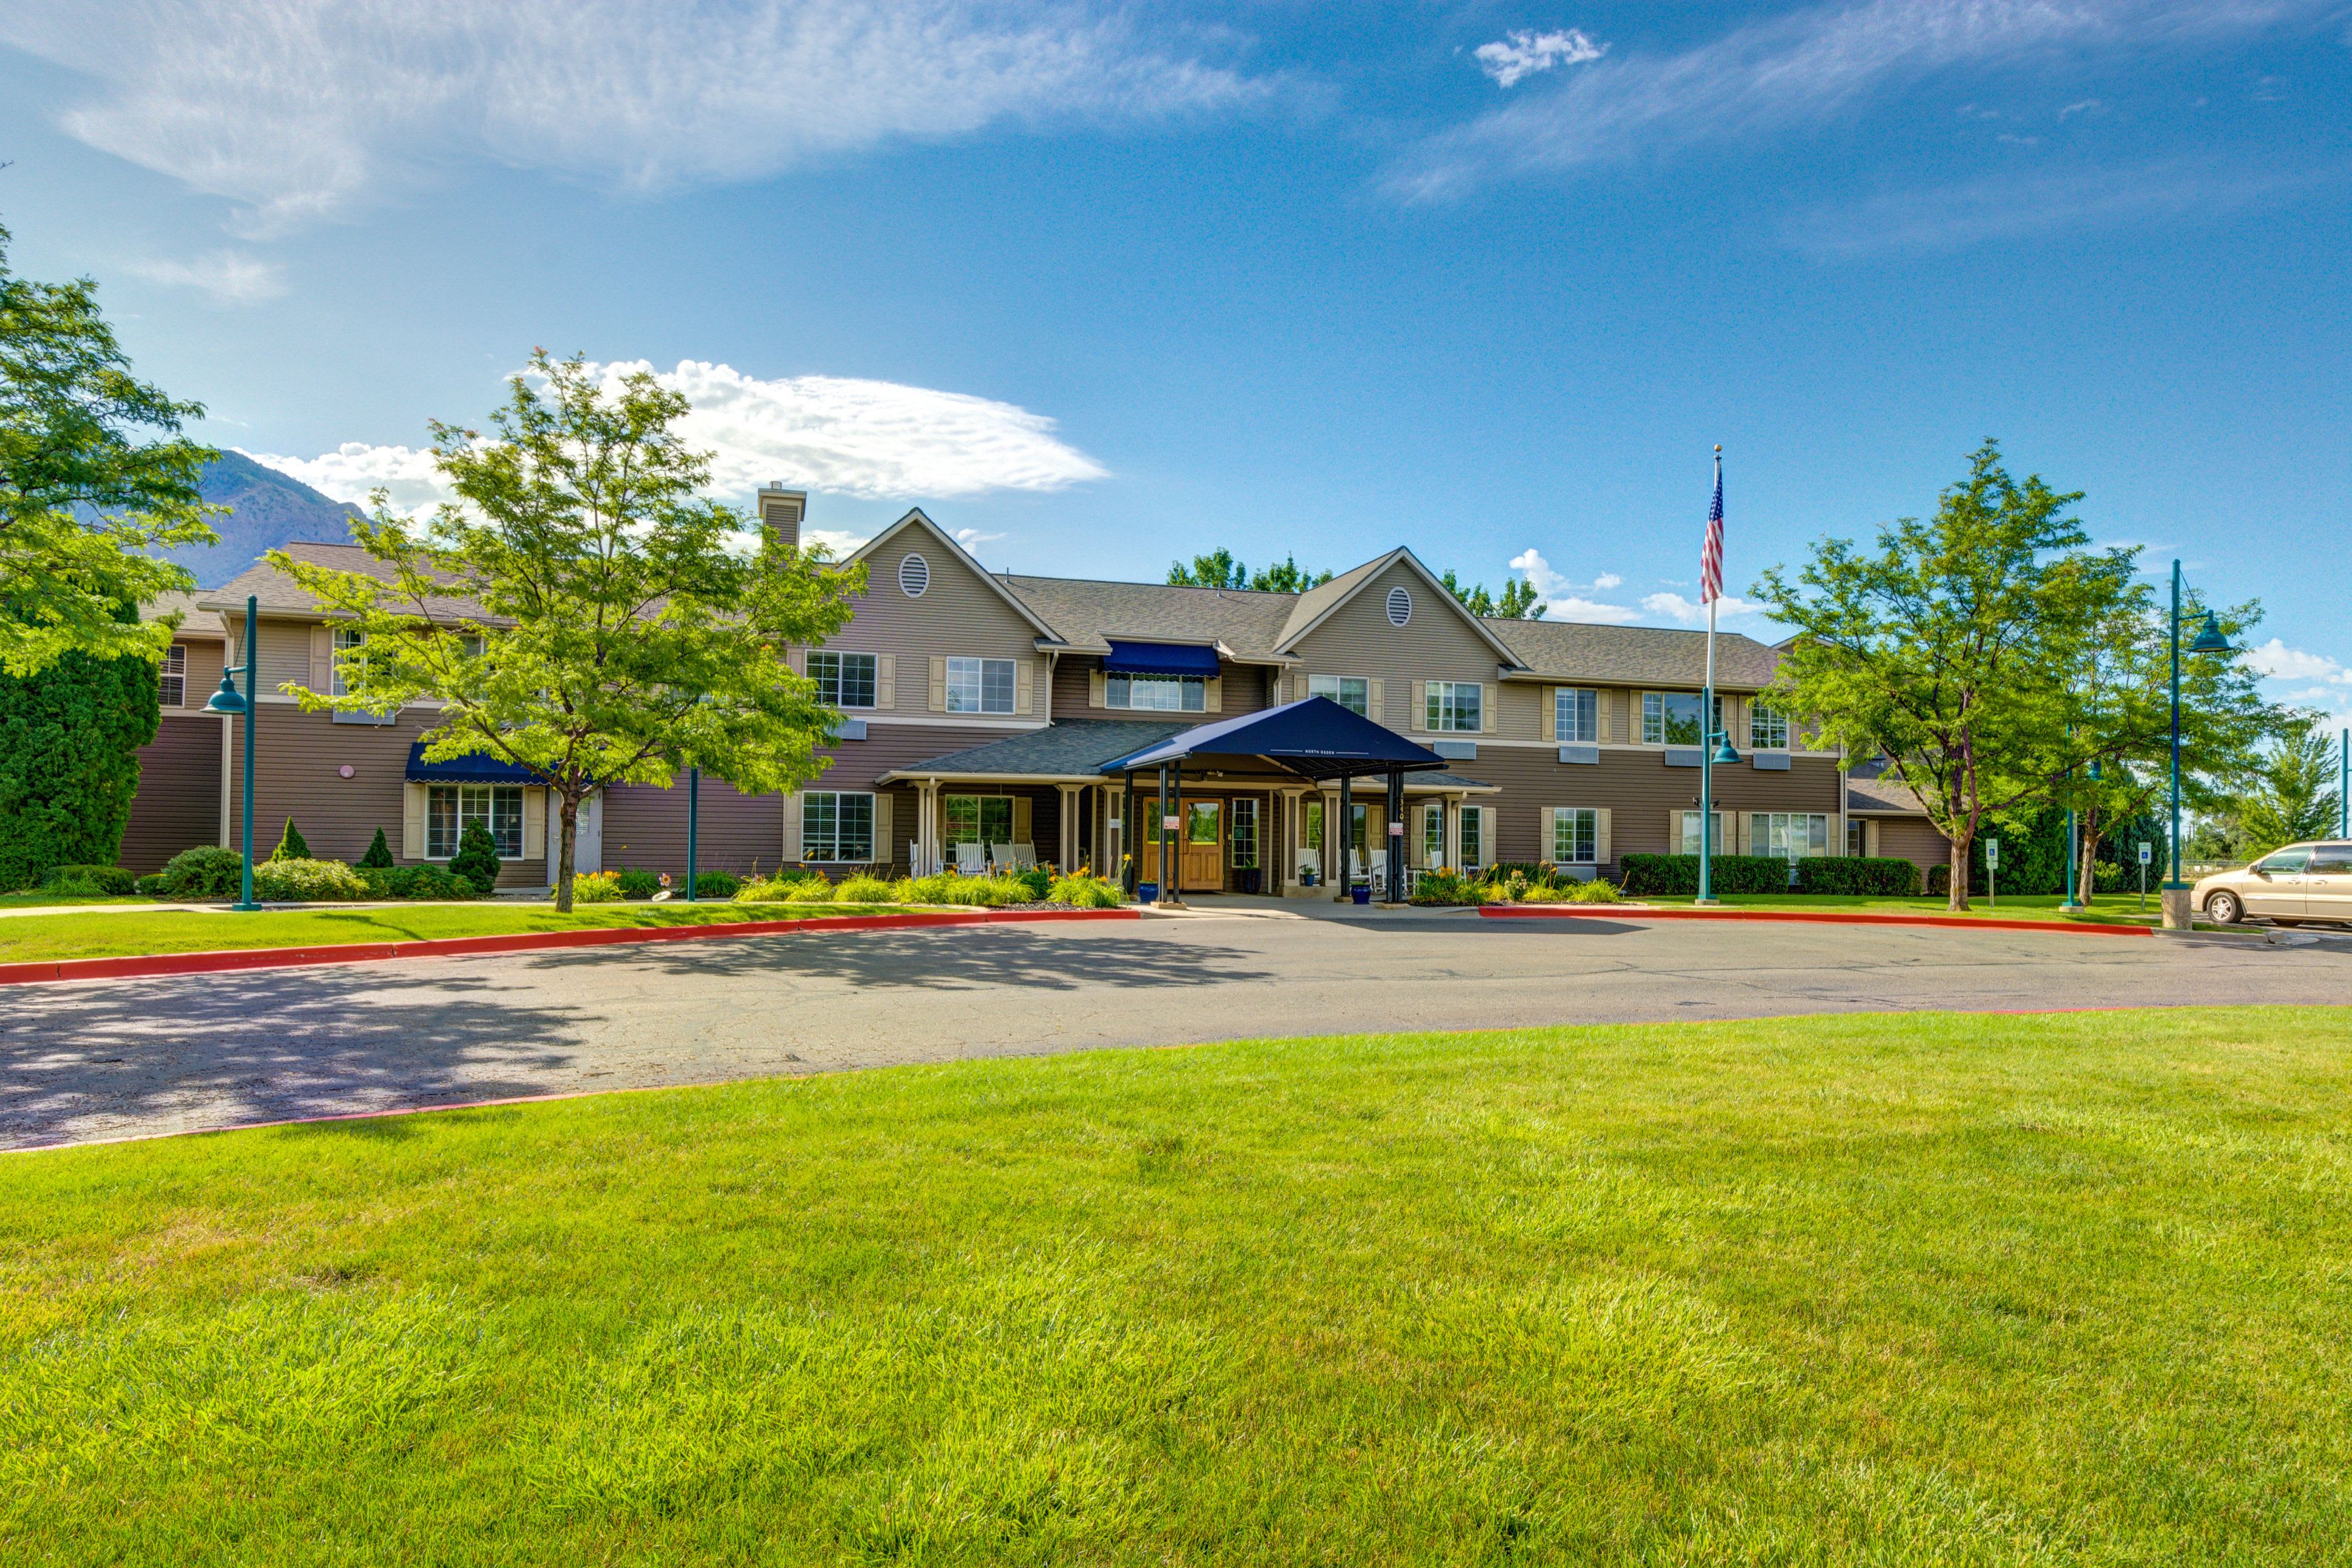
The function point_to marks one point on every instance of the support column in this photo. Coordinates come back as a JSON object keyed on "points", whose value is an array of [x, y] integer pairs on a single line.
{"points": [[1347, 837], [1451, 833], [1124, 833], [1068, 858], [1390, 830]]}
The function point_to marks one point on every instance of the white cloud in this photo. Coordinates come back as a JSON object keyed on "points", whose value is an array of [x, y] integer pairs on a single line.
{"points": [[840, 541], [873, 440], [1564, 599], [1521, 54], [301, 107], [1691, 612], [1811, 66], [1608, 580], [230, 277], [1573, 608], [2277, 661], [973, 539]]}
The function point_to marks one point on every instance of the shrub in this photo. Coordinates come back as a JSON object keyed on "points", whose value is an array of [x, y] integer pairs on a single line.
{"points": [[1654, 874], [476, 859], [865, 889], [150, 884], [416, 882], [1882, 876], [204, 871], [69, 740], [810, 889], [307, 881], [2109, 877], [1544, 893], [1599, 890], [1446, 888], [716, 884], [931, 889], [379, 854], [1037, 882], [290, 846], [109, 880], [636, 884], [782, 887], [596, 887], [1083, 890]]}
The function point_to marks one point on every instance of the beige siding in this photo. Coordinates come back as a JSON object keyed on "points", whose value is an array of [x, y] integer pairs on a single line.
{"points": [[1913, 839], [1523, 711], [1437, 644], [285, 653], [178, 804], [959, 615], [205, 663], [1244, 687], [1637, 789]]}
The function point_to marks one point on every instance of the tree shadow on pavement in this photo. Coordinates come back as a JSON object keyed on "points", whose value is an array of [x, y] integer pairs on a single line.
{"points": [[950, 958]]}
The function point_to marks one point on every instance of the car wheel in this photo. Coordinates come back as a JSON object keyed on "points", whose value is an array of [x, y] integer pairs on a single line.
{"points": [[2224, 909]]}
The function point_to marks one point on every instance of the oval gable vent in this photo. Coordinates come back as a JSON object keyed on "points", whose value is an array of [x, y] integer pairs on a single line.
{"points": [[914, 576], [1399, 607]]}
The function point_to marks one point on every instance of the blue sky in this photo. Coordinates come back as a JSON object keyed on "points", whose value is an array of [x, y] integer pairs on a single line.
{"points": [[1108, 286]]}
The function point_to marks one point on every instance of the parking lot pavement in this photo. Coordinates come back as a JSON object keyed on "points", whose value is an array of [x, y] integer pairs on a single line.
{"points": [[113, 1058]]}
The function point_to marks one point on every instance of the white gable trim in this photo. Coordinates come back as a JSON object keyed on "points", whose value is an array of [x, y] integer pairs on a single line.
{"points": [[1510, 661], [914, 518]]}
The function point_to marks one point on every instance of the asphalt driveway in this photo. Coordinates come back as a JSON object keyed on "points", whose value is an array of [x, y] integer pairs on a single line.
{"points": [[112, 1058]]}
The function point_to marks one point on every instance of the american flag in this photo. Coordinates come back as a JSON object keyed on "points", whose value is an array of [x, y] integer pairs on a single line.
{"points": [[1711, 557]]}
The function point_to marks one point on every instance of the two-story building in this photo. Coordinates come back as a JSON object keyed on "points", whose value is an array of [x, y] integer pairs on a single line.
{"points": [[993, 708]]}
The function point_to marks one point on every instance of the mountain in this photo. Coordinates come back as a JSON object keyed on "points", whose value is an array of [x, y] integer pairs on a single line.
{"points": [[266, 509]]}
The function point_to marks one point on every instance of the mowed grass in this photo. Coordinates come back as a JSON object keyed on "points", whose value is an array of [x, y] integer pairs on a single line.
{"points": [[104, 934], [1866, 1289], [2105, 909]]}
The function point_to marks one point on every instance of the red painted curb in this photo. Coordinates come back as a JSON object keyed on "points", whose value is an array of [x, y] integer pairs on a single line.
{"points": [[147, 965], [1826, 917]]}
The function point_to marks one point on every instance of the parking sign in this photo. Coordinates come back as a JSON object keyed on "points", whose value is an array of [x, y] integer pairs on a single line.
{"points": [[2146, 852], [1992, 853]]}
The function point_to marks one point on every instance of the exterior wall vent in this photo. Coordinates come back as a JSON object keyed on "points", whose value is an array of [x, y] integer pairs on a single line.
{"points": [[914, 576], [1399, 607]]}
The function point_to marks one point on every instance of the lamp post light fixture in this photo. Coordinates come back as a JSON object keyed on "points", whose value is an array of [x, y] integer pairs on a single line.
{"points": [[245, 705], [2210, 639]]}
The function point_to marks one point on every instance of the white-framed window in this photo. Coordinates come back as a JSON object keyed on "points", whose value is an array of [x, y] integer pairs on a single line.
{"points": [[1689, 844], [980, 686], [1575, 836], [1454, 706], [472, 644], [1671, 719], [843, 680], [1474, 847], [347, 638], [1432, 834], [838, 825], [1793, 835], [1353, 692], [1158, 694], [1766, 730], [1241, 840], [449, 809], [1576, 713], [174, 674], [977, 819]]}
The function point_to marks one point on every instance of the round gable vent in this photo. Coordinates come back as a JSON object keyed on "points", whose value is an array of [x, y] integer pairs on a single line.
{"points": [[1399, 607], [914, 576]]}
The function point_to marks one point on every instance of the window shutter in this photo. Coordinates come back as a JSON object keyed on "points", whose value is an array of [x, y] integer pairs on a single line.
{"points": [[1487, 855], [1605, 701], [1213, 693], [938, 686], [1759, 841], [1600, 851], [322, 660], [1675, 831], [1022, 819], [1376, 701], [1735, 721], [1550, 819], [534, 823], [1490, 716], [1096, 682], [886, 679], [885, 850], [796, 661], [792, 828], [1417, 716], [1024, 681], [1548, 720], [412, 822], [1870, 839]]}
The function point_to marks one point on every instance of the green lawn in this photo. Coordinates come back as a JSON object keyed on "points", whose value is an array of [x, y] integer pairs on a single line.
{"points": [[2110, 909], [1885, 1290], [35, 938], [51, 900]]}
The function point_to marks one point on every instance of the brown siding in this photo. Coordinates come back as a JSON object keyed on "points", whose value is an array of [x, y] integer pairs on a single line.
{"points": [[1638, 790], [1437, 644], [1912, 838], [178, 804], [645, 826], [1243, 691], [959, 615]]}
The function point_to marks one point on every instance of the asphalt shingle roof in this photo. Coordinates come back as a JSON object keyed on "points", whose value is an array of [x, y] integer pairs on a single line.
{"points": [[279, 592], [1069, 748], [1577, 649], [1087, 613]]}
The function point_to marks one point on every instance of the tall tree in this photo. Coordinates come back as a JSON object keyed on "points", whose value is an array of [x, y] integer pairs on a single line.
{"points": [[622, 631], [84, 494], [1518, 602], [1218, 568], [69, 740], [1942, 647], [2288, 795], [1286, 576]]}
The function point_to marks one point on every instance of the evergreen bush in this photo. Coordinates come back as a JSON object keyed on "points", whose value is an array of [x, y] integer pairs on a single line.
{"points": [[476, 859], [69, 740], [1656, 875], [416, 881], [379, 854], [290, 846], [1879, 876], [204, 871]]}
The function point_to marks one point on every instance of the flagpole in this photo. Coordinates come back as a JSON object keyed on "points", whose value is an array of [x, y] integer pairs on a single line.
{"points": [[1707, 736]]}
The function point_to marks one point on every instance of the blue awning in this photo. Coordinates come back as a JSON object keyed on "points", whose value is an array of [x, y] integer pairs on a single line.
{"points": [[1160, 659], [478, 769], [1317, 739]]}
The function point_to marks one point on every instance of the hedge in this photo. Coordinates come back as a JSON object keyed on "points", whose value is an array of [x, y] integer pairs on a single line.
{"points": [[69, 740], [1882, 876], [1647, 875], [113, 881]]}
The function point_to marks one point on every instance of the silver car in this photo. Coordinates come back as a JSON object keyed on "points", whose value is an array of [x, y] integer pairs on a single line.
{"points": [[2285, 887]]}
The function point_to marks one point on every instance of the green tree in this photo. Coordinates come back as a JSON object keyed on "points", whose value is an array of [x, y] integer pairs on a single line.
{"points": [[1518, 602], [290, 846], [1218, 568], [2288, 795], [379, 854], [477, 860], [1286, 576], [620, 629], [69, 740], [1945, 647], [82, 495]]}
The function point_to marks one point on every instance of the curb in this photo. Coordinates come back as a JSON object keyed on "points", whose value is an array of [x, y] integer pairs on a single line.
{"points": [[1801, 917], [146, 965]]}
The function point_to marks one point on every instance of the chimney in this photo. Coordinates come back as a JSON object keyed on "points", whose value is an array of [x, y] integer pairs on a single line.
{"points": [[781, 511]]}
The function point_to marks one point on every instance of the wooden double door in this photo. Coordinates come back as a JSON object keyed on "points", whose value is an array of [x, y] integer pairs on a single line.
{"points": [[1199, 837]]}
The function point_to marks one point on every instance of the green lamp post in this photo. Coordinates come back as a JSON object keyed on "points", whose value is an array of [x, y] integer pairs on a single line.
{"points": [[1714, 748], [2209, 639], [236, 704]]}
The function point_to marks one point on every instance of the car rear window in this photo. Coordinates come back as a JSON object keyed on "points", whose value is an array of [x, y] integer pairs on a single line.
{"points": [[2331, 860]]}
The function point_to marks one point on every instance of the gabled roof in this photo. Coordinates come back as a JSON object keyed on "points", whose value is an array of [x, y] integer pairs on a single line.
{"points": [[279, 594], [1318, 604], [1089, 614], [194, 620], [1322, 599], [916, 518]]}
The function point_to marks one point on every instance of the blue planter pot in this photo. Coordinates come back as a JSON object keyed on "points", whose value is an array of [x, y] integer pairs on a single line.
{"points": [[1362, 895], [1147, 893]]}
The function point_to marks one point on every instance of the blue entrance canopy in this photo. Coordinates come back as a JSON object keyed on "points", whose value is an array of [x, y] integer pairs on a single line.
{"points": [[1160, 659], [1317, 739], [478, 769]]}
